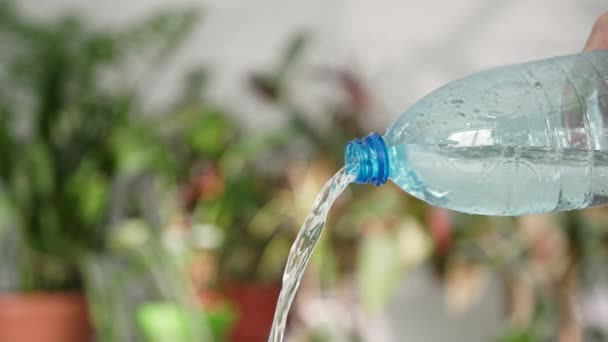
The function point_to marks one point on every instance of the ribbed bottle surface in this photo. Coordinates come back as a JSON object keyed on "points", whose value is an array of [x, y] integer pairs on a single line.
{"points": [[512, 140]]}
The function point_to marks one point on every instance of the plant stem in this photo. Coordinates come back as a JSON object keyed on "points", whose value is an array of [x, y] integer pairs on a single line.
{"points": [[569, 327]]}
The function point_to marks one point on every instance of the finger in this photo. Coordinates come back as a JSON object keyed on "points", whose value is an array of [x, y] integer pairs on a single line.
{"points": [[598, 39]]}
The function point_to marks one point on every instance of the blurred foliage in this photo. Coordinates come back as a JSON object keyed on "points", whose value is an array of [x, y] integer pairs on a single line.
{"points": [[69, 139], [377, 235], [125, 281], [166, 322], [84, 174], [103, 193]]}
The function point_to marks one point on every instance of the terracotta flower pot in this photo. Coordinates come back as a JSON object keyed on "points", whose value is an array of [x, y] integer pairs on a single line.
{"points": [[255, 304], [48, 317]]}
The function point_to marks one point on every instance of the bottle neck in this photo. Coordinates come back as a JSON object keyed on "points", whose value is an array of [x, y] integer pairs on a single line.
{"points": [[367, 158]]}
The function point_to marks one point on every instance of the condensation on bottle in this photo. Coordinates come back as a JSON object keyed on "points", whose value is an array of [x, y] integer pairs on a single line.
{"points": [[513, 140]]}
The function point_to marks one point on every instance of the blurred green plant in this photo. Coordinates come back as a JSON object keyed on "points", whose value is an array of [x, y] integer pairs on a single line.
{"points": [[557, 255], [222, 185], [87, 179], [67, 138]]}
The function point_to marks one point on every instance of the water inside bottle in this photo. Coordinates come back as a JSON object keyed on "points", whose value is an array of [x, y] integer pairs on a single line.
{"points": [[502, 179], [303, 247]]}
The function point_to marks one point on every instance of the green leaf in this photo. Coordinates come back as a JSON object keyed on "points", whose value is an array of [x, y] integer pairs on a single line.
{"points": [[21, 187], [42, 169], [210, 134], [294, 49], [129, 235], [378, 269], [89, 189], [273, 258], [520, 335], [136, 150]]}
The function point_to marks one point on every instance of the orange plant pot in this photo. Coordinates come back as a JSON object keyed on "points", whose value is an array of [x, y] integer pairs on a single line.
{"points": [[255, 304], [48, 317]]}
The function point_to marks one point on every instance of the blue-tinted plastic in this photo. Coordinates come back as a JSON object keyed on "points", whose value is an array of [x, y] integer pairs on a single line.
{"points": [[368, 158], [512, 140]]}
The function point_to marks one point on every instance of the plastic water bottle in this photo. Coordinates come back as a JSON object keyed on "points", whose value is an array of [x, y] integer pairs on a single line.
{"points": [[513, 140]]}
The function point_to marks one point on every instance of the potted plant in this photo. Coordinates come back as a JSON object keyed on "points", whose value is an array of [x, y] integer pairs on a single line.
{"points": [[365, 229], [242, 186], [222, 191], [64, 158]]}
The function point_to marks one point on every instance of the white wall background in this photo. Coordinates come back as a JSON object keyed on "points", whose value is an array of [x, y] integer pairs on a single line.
{"points": [[403, 49]]}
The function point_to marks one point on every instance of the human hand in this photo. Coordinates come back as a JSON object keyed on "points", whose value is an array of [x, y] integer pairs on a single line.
{"points": [[598, 39]]}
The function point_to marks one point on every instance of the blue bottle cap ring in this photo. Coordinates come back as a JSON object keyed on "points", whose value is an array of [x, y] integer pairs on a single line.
{"points": [[368, 158]]}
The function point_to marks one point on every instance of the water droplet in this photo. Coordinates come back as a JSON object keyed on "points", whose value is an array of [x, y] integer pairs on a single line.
{"points": [[457, 101], [493, 113], [537, 85], [420, 114], [461, 114], [445, 123], [468, 124], [476, 111]]}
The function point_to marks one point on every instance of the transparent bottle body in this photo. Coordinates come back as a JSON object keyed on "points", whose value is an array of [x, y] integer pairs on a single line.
{"points": [[512, 140]]}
